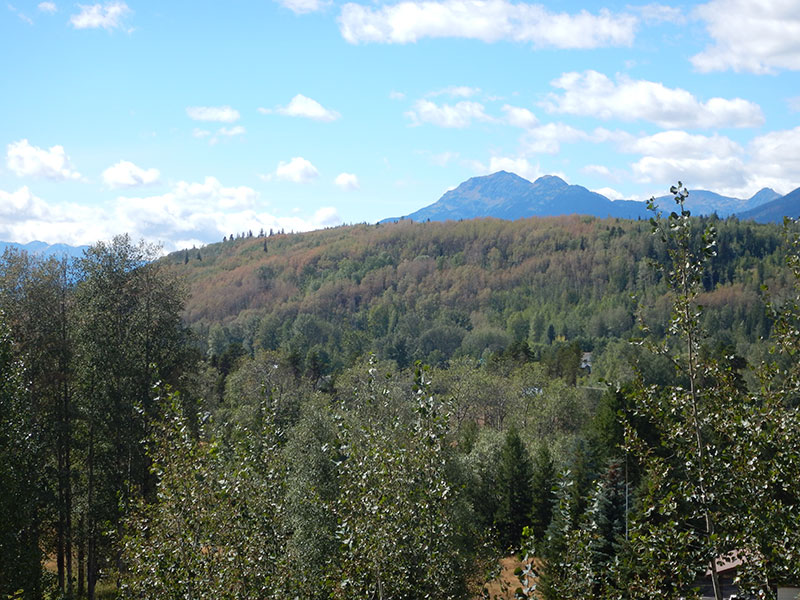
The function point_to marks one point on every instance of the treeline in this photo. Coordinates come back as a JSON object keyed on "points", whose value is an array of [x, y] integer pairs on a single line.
{"points": [[140, 461], [434, 291]]}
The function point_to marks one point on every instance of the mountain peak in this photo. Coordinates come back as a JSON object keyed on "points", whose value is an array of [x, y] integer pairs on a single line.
{"points": [[506, 195]]}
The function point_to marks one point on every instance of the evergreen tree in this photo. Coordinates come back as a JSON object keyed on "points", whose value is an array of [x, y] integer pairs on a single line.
{"points": [[543, 481], [514, 490]]}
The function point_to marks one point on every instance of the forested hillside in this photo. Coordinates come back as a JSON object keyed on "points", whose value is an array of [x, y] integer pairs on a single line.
{"points": [[387, 411], [432, 291]]}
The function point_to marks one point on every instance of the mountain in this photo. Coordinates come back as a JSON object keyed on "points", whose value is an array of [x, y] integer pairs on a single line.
{"points": [[703, 202], [45, 249], [505, 195], [774, 211]]}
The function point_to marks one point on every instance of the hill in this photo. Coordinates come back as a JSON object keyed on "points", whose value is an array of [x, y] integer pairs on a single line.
{"points": [[431, 291]]}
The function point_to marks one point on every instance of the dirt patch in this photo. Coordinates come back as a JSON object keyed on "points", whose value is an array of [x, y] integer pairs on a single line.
{"points": [[506, 583]]}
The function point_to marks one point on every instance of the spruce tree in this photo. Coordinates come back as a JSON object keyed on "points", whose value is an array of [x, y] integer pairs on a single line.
{"points": [[514, 490]]}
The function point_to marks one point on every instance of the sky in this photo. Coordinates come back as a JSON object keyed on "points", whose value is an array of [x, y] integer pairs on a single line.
{"points": [[181, 122]]}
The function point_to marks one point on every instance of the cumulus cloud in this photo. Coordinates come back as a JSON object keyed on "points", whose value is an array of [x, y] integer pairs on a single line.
{"points": [[303, 106], [718, 163], [347, 181], [759, 37], [519, 117], [47, 7], [609, 193], [25, 217], [520, 165], [297, 170], [220, 114], [126, 174], [53, 163], [777, 154], [110, 15], [547, 139], [327, 216], [594, 94], [302, 7], [680, 144], [190, 213], [458, 115], [485, 20], [708, 173]]}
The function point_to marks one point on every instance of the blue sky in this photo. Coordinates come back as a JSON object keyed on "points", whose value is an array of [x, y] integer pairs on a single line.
{"points": [[181, 122]]}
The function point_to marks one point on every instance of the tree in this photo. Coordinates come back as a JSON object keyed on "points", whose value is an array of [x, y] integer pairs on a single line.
{"points": [[129, 336], [37, 295], [514, 490], [217, 527], [543, 481], [21, 493], [397, 509]]}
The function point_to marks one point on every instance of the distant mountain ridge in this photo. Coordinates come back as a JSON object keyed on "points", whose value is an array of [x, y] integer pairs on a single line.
{"points": [[45, 249], [505, 195]]}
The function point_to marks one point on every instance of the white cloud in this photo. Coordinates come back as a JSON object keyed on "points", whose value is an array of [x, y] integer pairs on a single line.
{"points": [[230, 132], [443, 158], [547, 139], [777, 154], [47, 7], [794, 103], [327, 216], [680, 144], [395, 95], [302, 7], [108, 16], [486, 20], [25, 217], [609, 193], [22, 16], [597, 170], [347, 181], [297, 170], [303, 106], [593, 94], [760, 37], [707, 173], [220, 114], [457, 91], [188, 214], [654, 14], [459, 115], [200, 133], [127, 174], [520, 166], [519, 117], [26, 160]]}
